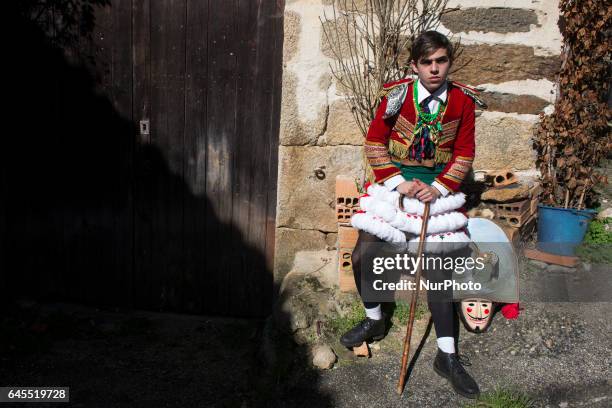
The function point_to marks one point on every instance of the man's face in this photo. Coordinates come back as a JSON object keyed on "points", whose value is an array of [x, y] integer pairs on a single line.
{"points": [[432, 69]]}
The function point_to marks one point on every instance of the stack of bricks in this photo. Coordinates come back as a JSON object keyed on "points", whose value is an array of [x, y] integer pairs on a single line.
{"points": [[346, 192], [517, 218], [347, 203]]}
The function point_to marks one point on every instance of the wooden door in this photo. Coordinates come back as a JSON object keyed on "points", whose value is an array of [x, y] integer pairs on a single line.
{"points": [[166, 118]]}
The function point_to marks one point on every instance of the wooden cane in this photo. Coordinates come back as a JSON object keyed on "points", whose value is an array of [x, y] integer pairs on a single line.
{"points": [[413, 301]]}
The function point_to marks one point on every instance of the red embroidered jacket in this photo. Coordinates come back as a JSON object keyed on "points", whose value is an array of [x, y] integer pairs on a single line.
{"points": [[392, 137]]}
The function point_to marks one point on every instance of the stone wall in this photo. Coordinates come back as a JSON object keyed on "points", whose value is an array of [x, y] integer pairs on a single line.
{"points": [[511, 49]]}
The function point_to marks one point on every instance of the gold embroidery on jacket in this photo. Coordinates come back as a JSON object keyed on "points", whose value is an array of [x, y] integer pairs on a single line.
{"points": [[459, 169], [378, 158], [443, 155], [449, 132], [404, 129], [398, 149]]}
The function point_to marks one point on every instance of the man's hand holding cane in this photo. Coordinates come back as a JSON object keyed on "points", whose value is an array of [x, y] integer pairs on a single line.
{"points": [[419, 190]]}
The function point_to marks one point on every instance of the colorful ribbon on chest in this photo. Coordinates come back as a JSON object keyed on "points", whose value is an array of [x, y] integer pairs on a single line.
{"points": [[427, 130]]}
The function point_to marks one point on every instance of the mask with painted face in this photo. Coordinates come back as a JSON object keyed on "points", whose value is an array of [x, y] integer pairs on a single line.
{"points": [[476, 314]]}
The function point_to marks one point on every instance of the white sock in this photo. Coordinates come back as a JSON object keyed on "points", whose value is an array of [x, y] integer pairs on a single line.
{"points": [[374, 313], [446, 344]]}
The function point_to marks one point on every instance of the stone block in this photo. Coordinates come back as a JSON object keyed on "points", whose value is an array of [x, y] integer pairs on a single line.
{"points": [[306, 196], [504, 102], [606, 213], [323, 357], [501, 63], [293, 313], [341, 127], [320, 264], [335, 32], [331, 239], [504, 142], [511, 193], [295, 129], [489, 19], [291, 241], [292, 34]]}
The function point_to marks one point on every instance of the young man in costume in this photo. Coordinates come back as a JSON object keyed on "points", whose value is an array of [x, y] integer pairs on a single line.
{"points": [[420, 144]]}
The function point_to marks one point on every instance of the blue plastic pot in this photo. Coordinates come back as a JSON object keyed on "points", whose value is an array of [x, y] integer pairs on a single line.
{"points": [[561, 230]]}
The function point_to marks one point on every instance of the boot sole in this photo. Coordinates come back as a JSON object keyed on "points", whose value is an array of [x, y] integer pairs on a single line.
{"points": [[374, 338], [458, 391]]}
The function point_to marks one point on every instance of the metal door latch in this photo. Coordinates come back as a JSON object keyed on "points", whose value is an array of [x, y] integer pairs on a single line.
{"points": [[144, 127]]}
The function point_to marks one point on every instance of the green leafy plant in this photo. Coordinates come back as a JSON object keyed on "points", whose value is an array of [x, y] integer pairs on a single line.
{"points": [[598, 233], [596, 245]]}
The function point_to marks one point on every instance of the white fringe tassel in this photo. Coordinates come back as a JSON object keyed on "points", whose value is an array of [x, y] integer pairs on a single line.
{"points": [[382, 217]]}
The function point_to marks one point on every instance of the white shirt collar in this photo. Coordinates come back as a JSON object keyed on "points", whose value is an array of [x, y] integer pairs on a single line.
{"points": [[439, 94]]}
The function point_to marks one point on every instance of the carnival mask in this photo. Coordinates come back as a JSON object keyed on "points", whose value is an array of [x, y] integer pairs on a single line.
{"points": [[476, 314]]}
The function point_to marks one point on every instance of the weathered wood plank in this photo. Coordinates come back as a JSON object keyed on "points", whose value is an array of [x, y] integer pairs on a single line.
{"points": [[88, 219], [273, 138], [120, 276], [195, 273], [167, 137], [243, 260], [221, 130], [143, 154], [95, 110], [31, 159], [275, 16], [536, 254], [257, 273]]}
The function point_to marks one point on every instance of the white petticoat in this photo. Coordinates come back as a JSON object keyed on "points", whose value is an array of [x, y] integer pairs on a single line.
{"points": [[381, 216]]}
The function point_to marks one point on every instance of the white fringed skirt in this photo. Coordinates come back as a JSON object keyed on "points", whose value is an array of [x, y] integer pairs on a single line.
{"points": [[381, 216]]}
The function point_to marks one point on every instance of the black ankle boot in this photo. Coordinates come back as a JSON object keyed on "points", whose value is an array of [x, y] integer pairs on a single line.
{"points": [[448, 366], [368, 329]]}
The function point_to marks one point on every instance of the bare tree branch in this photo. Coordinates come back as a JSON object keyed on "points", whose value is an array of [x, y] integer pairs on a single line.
{"points": [[370, 46]]}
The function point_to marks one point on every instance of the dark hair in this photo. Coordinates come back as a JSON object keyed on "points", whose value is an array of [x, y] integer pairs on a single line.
{"points": [[427, 43]]}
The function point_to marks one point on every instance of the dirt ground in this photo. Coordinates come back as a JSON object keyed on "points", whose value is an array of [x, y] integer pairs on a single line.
{"points": [[129, 359], [558, 353]]}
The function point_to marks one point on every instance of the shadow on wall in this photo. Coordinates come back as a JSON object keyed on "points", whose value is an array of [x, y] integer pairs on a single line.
{"points": [[85, 218], [88, 214]]}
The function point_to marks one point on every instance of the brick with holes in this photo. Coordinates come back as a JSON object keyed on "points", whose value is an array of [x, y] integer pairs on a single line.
{"points": [[347, 239], [347, 199]]}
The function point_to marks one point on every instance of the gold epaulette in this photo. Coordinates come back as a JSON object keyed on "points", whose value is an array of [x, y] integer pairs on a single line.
{"points": [[471, 92], [466, 87], [389, 86]]}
